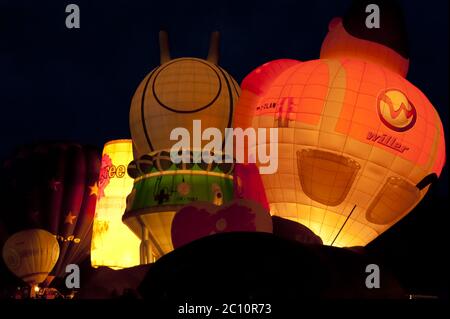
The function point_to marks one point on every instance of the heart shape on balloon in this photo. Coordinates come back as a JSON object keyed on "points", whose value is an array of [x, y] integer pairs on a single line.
{"points": [[201, 219]]}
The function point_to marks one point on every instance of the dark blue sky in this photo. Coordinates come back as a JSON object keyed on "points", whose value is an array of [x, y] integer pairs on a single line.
{"points": [[57, 83]]}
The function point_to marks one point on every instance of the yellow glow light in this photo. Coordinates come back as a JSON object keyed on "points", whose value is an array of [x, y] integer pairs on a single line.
{"points": [[113, 244]]}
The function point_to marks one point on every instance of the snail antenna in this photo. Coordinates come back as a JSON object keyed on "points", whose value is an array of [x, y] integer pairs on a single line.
{"points": [[164, 52], [213, 54]]}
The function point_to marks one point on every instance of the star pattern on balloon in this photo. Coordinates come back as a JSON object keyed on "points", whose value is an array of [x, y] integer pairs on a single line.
{"points": [[70, 218], [94, 190]]}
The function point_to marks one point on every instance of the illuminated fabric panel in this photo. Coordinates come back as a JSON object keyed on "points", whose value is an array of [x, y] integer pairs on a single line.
{"points": [[175, 94], [201, 219], [158, 225], [339, 43], [396, 196], [31, 254], [113, 244], [326, 177], [248, 184]]}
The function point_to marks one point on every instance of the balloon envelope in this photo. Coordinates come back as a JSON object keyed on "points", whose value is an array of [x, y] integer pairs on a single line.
{"points": [[174, 95], [53, 186], [358, 145], [31, 255], [113, 244]]}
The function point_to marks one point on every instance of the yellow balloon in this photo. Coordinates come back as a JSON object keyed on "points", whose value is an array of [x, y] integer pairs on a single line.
{"points": [[31, 255], [174, 95], [113, 244], [178, 92]]}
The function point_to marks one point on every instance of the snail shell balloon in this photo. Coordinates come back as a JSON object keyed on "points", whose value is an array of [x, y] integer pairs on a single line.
{"points": [[178, 92], [171, 96]]}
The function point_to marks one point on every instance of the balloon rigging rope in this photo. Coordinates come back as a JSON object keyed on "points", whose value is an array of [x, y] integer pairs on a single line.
{"points": [[351, 212]]}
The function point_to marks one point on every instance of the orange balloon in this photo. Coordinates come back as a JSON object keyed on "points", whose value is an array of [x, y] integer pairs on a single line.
{"points": [[358, 145]]}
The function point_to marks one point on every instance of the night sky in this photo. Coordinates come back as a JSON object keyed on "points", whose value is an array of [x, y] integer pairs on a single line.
{"points": [[59, 84]]}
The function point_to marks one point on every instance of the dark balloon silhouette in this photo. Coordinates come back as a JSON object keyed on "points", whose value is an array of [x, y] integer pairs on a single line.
{"points": [[53, 186], [260, 267], [291, 230]]}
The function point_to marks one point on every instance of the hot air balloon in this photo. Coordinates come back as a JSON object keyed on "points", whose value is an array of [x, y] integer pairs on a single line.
{"points": [[358, 144], [113, 243], [53, 186], [178, 92], [173, 95], [31, 255]]}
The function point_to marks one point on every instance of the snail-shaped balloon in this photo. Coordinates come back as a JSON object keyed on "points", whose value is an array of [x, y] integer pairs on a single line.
{"points": [[53, 186], [171, 96], [358, 144], [178, 92]]}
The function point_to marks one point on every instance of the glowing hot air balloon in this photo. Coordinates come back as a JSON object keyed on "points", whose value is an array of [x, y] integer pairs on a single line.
{"points": [[173, 95], [31, 255], [248, 184], [177, 93], [113, 244], [358, 144]]}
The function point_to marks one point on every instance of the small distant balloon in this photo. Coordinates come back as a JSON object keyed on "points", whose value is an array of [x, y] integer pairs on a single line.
{"points": [[31, 255]]}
